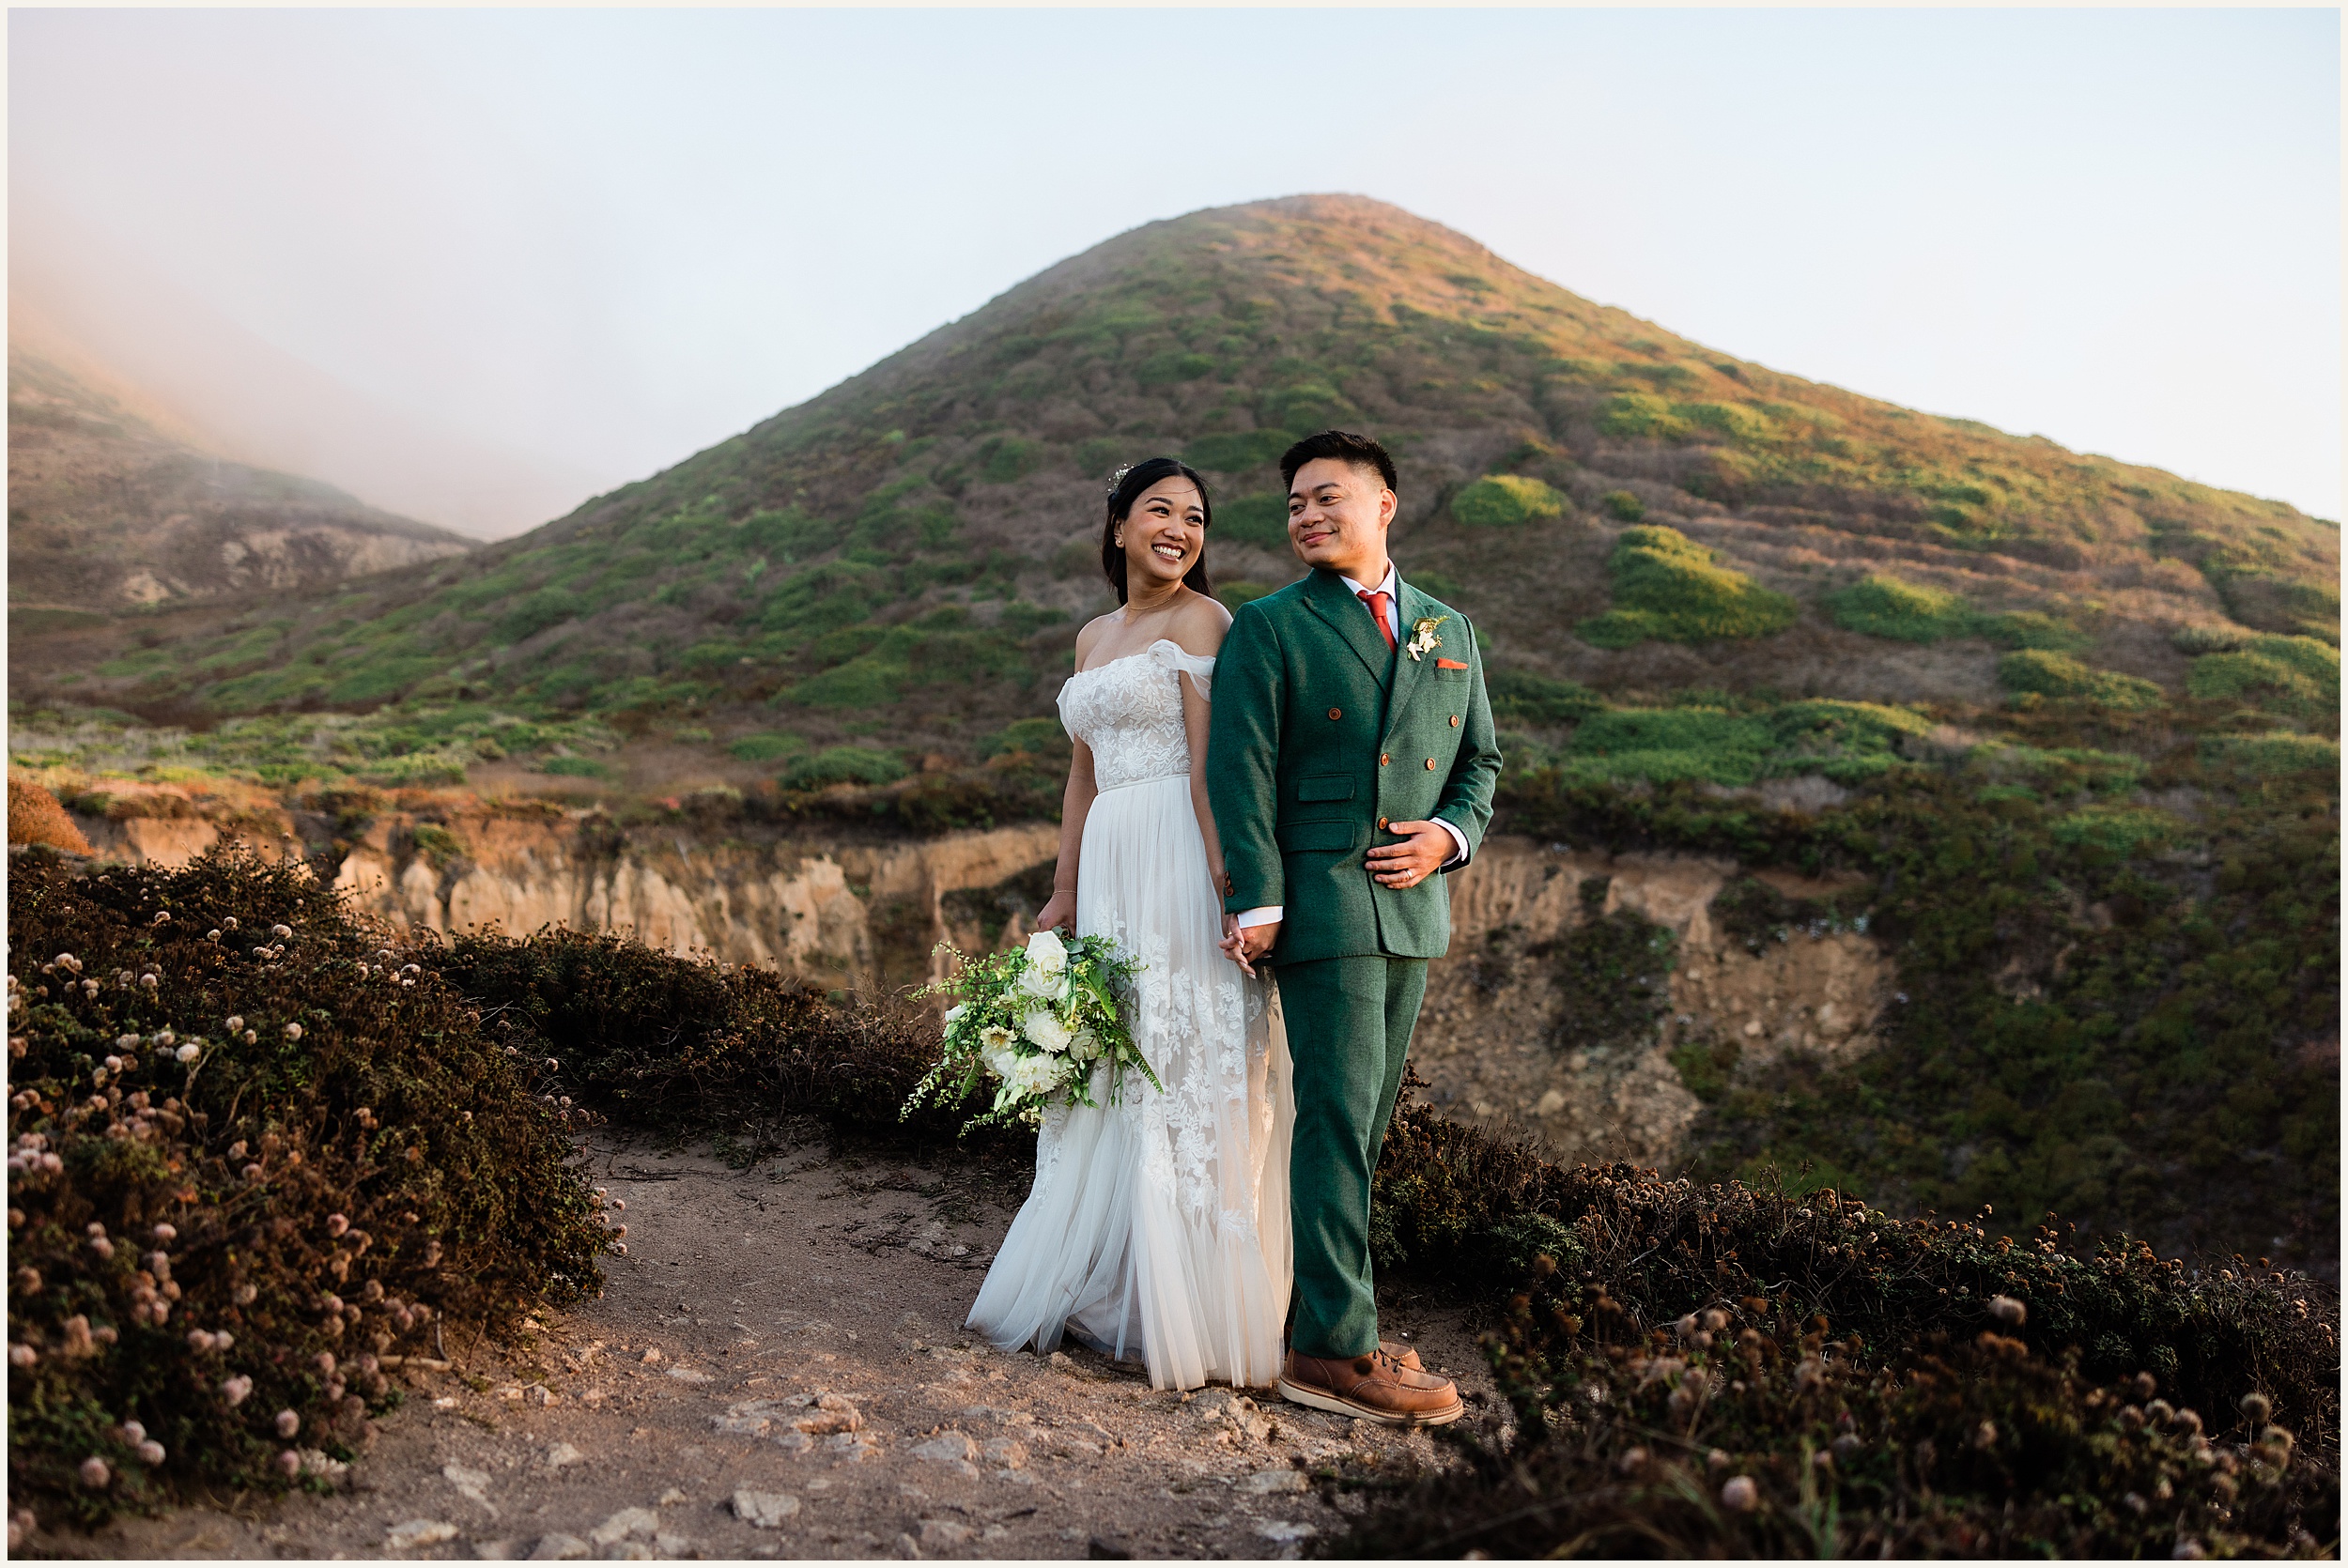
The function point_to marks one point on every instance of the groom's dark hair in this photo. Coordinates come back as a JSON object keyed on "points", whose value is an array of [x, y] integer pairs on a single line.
{"points": [[1363, 452]]}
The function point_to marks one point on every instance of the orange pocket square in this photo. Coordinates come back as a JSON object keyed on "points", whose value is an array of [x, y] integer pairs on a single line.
{"points": [[1449, 663]]}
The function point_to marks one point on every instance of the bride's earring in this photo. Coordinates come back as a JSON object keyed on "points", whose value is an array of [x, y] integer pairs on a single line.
{"points": [[1117, 542]]}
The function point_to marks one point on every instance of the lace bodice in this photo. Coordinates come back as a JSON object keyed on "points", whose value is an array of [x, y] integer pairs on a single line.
{"points": [[1129, 711]]}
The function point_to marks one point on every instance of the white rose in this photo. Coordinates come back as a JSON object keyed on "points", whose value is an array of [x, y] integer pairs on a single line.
{"points": [[1045, 953], [1045, 986], [1085, 1045], [1046, 1030]]}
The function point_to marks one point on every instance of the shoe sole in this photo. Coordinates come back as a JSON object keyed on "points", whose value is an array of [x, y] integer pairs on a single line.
{"points": [[1320, 1399]]}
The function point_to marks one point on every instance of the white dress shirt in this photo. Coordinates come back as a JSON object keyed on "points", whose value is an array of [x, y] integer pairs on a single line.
{"points": [[1392, 589]]}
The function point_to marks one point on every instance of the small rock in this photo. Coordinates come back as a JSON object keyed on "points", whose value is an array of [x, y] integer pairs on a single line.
{"points": [[471, 1484], [419, 1532], [562, 1454], [650, 1356], [947, 1448], [945, 1534], [854, 1447], [766, 1509], [750, 1417], [1266, 1482], [1008, 1453], [671, 1497], [907, 1546], [671, 1544], [629, 1551], [1285, 1530], [504, 1549], [627, 1522], [558, 1548], [793, 1440], [687, 1375]]}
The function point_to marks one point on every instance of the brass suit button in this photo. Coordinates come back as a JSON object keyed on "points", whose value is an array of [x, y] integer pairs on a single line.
{"points": [[1454, 721], [1381, 824], [1336, 713], [1384, 758], [1431, 765]]}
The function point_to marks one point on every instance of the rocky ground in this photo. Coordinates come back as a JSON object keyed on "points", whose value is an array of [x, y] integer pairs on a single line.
{"points": [[776, 1369]]}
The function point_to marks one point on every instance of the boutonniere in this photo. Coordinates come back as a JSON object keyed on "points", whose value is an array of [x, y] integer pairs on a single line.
{"points": [[1423, 637]]}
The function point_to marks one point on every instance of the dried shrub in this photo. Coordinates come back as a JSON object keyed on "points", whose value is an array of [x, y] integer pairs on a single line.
{"points": [[683, 1044], [255, 1155], [1621, 1390], [36, 818]]}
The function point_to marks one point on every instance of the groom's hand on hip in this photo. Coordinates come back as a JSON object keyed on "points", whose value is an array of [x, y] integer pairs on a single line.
{"points": [[1424, 848]]}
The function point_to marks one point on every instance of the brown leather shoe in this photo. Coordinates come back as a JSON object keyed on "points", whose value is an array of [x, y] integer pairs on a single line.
{"points": [[1375, 1387], [1406, 1354]]}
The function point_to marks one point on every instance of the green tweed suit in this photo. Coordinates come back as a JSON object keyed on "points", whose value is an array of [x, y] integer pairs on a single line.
{"points": [[1320, 736]]}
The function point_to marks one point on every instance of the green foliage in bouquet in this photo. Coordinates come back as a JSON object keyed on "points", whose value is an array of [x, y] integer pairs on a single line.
{"points": [[1043, 1022]]}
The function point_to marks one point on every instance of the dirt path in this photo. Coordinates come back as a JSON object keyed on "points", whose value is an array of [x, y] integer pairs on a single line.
{"points": [[776, 1370]]}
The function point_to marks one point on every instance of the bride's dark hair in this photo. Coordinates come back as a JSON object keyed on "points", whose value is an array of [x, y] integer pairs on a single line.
{"points": [[1126, 489]]}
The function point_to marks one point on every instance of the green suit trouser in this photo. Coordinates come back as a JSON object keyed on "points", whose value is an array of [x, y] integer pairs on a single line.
{"points": [[1349, 1028]]}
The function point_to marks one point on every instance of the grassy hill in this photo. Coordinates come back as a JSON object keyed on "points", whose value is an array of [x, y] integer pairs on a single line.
{"points": [[108, 510], [905, 555]]}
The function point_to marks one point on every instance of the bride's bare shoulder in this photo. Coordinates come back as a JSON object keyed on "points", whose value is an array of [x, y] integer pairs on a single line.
{"points": [[1199, 624], [1094, 630]]}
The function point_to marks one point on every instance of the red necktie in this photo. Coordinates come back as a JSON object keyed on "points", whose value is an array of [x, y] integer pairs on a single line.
{"points": [[1376, 599]]}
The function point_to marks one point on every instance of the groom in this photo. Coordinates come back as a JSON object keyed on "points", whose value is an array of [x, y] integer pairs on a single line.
{"points": [[1350, 761]]}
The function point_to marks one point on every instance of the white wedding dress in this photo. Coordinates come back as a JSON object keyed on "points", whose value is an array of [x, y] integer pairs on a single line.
{"points": [[1158, 1224]]}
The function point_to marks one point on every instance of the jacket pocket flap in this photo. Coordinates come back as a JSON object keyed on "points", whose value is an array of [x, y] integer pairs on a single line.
{"points": [[1327, 786], [1296, 837]]}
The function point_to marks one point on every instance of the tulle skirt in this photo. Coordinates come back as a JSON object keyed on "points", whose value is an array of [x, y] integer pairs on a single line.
{"points": [[1158, 1225]]}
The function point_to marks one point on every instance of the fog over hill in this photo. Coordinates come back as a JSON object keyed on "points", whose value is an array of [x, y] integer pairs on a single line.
{"points": [[116, 501]]}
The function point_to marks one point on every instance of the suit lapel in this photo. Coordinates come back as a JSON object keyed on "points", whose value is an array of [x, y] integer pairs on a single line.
{"points": [[1406, 668], [1330, 599]]}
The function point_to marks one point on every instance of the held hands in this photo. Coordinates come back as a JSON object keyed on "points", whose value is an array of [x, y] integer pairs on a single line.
{"points": [[1060, 914], [1424, 848], [1243, 947]]}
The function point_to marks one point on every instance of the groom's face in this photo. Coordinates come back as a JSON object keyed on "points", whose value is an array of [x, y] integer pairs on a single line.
{"points": [[1338, 515]]}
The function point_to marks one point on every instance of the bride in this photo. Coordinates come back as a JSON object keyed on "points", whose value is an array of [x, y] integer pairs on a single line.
{"points": [[1158, 1224]]}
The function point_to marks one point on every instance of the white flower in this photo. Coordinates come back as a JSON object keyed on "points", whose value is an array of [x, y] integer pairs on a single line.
{"points": [[955, 1012], [1046, 1030], [995, 1037], [1044, 985], [1084, 1046], [1046, 952]]}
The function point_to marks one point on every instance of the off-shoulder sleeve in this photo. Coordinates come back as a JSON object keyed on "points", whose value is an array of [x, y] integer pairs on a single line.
{"points": [[1198, 666]]}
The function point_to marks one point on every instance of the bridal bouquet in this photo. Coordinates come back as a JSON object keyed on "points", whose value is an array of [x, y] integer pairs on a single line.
{"points": [[1041, 1020]]}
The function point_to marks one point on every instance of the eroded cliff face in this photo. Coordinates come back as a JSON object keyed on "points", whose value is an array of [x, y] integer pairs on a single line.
{"points": [[1507, 1034]]}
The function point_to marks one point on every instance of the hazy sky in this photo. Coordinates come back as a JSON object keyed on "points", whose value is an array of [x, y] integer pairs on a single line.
{"points": [[591, 242]]}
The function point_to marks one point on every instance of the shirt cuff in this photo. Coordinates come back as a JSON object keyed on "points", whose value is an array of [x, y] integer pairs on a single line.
{"points": [[1267, 915], [1458, 846]]}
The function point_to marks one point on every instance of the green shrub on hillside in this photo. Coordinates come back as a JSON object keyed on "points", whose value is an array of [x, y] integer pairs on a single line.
{"points": [[1520, 697], [1886, 607], [1173, 365], [843, 764], [1234, 595], [1623, 506], [1668, 587], [1003, 459], [2030, 628], [253, 1154], [1664, 745], [2290, 674], [2039, 672], [574, 767], [1238, 451], [1041, 737], [1844, 742], [2119, 831], [549, 607], [768, 746], [2273, 754], [1505, 500], [1636, 415], [1260, 519]]}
